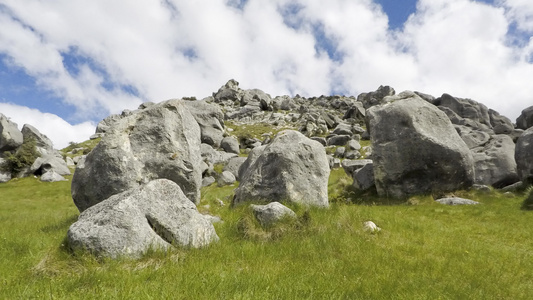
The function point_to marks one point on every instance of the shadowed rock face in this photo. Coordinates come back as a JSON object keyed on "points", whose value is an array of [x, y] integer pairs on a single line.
{"points": [[292, 168], [416, 149], [524, 156], [156, 215], [161, 141], [525, 120]]}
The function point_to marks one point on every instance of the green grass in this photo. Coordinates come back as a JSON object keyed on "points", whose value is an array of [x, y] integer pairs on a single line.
{"points": [[424, 251], [254, 130]]}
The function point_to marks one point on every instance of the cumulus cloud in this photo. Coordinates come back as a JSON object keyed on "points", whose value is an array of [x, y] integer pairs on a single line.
{"points": [[58, 130], [103, 56]]}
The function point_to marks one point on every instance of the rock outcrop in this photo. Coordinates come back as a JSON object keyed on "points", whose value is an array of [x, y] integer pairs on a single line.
{"points": [[525, 120], [272, 213], [524, 156], [416, 149], [10, 136], [153, 216], [495, 163], [161, 141], [292, 168]]}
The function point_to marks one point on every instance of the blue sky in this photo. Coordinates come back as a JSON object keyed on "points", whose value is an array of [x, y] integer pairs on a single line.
{"points": [[75, 64]]}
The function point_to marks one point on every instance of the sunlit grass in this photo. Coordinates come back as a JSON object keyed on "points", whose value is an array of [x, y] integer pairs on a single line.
{"points": [[425, 251]]}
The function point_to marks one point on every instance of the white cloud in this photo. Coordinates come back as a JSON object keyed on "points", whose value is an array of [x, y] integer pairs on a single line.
{"points": [[174, 48], [58, 130]]}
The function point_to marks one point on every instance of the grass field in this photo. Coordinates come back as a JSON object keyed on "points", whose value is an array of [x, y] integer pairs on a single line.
{"points": [[424, 251]]}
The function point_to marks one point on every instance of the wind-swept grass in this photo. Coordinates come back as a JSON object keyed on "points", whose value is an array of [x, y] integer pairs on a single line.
{"points": [[425, 250]]}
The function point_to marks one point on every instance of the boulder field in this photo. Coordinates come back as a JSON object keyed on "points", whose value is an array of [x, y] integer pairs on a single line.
{"points": [[139, 187]]}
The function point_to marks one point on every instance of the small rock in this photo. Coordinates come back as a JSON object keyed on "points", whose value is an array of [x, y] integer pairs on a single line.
{"points": [[456, 201], [371, 227], [269, 214], [207, 181]]}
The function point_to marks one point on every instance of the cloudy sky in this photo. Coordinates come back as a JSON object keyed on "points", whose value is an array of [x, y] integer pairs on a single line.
{"points": [[67, 64]]}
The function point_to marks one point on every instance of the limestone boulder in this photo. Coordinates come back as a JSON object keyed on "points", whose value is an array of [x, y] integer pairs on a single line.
{"points": [[495, 163], [156, 215], [363, 179], [500, 124], [233, 166], [376, 97], [292, 168], [210, 118], [525, 120], [416, 150], [524, 156], [470, 111], [161, 141], [456, 201], [49, 163], [230, 144], [10, 136], [42, 143]]}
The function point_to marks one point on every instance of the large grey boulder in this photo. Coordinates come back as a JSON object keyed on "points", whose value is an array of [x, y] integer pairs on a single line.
{"points": [[495, 163], [229, 91], [470, 112], [104, 125], [524, 156], [269, 214], [292, 168], [49, 163], [161, 141], [213, 156], [10, 136], [226, 178], [211, 120], [525, 120], [350, 166], [416, 150], [152, 216], [42, 143]]}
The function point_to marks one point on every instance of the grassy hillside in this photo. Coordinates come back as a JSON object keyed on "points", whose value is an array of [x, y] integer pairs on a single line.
{"points": [[425, 251]]}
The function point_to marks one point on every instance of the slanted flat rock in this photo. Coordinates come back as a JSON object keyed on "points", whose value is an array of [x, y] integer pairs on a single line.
{"points": [[456, 201], [152, 216], [210, 119], [495, 163]]}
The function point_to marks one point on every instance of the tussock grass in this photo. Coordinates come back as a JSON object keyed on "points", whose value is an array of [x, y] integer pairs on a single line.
{"points": [[425, 251]]}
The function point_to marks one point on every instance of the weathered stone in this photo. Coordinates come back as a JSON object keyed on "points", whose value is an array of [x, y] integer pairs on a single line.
{"points": [[43, 144], [107, 123], [320, 139], [473, 111], [416, 150], [371, 227], [226, 178], [352, 154], [233, 166], [161, 141], [270, 214], [350, 166], [10, 136], [339, 152], [473, 138], [524, 156], [343, 129], [293, 168], [156, 215], [495, 163], [353, 145], [376, 97], [525, 120], [456, 201], [210, 119], [230, 91], [70, 162], [500, 124], [52, 176], [338, 140], [207, 181], [49, 163], [213, 156], [230, 144], [363, 179]]}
